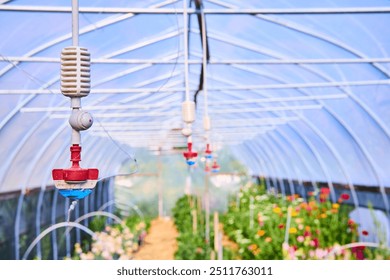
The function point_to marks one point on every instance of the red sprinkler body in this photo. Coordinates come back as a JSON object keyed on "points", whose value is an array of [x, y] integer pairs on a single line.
{"points": [[208, 152], [215, 167], [75, 182], [189, 155], [75, 174]]}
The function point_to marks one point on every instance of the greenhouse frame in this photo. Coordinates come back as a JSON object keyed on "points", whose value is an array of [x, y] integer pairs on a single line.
{"points": [[274, 105]]}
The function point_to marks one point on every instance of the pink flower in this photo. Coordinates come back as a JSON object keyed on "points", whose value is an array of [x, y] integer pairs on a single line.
{"points": [[314, 242], [300, 239]]}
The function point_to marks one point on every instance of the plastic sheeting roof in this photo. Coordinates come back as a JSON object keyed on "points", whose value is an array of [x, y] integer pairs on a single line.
{"points": [[298, 89]]}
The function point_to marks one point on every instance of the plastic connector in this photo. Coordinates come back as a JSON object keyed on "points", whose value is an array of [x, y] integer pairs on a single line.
{"points": [[188, 111], [80, 120]]}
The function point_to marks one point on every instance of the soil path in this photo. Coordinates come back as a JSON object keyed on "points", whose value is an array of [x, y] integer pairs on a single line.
{"points": [[160, 243]]}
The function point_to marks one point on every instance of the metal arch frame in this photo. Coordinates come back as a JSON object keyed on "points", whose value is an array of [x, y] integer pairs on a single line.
{"points": [[298, 28], [53, 227], [272, 166], [254, 164], [283, 150], [275, 150], [303, 159], [342, 125], [259, 147], [246, 147], [354, 138], [311, 147], [371, 114], [89, 28]]}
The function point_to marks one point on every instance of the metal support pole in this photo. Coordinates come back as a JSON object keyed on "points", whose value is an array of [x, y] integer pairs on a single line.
{"points": [[160, 187], [207, 208], [75, 22], [185, 34]]}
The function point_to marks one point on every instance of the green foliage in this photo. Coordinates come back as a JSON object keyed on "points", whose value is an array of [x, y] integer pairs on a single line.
{"points": [[191, 241], [315, 227]]}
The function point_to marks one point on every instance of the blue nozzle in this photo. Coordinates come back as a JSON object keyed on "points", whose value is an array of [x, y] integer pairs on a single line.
{"points": [[75, 193]]}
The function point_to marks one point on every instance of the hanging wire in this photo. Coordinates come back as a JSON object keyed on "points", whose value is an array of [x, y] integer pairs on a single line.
{"points": [[28, 74], [204, 61]]}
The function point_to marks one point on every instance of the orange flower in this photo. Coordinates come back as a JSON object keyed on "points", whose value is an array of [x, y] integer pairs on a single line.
{"points": [[261, 232], [307, 228], [268, 239], [335, 206], [303, 205], [312, 203], [256, 252], [323, 215], [252, 247]]}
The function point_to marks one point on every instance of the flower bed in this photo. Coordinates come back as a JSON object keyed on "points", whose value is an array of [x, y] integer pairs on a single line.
{"points": [[119, 241], [271, 227]]}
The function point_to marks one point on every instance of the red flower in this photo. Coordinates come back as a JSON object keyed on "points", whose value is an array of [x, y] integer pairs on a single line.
{"points": [[281, 226], [365, 232], [358, 252], [345, 196], [310, 193], [325, 190], [351, 222], [315, 243]]}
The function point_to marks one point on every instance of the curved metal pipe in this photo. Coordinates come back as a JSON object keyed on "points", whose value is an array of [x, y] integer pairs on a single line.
{"points": [[54, 227]]}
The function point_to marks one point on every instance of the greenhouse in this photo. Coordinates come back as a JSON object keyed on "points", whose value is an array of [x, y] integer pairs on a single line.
{"points": [[194, 130]]}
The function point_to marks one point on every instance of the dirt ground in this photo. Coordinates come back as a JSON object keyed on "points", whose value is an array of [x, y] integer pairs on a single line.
{"points": [[160, 243]]}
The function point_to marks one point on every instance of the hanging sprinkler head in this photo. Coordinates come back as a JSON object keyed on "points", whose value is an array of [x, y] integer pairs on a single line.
{"points": [[208, 153], [76, 182], [215, 167], [189, 155]]}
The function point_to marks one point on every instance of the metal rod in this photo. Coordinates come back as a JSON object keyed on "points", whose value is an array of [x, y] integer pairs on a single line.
{"points": [[185, 36], [230, 88], [267, 109], [252, 11], [75, 22], [165, 105], [197, 61]]}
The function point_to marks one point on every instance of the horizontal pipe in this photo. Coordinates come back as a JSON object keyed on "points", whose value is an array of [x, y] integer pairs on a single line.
{"points": [[165, 105], [243, 87], [250, 11], [212, 61], [267, 109]]}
